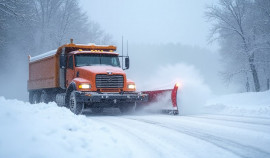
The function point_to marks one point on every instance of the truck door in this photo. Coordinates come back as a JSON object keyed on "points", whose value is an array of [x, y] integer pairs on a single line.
{"points": [[70, 70]]}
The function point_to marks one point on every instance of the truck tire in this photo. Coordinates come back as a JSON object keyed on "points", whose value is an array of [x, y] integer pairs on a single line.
{"points": [[44, 97], [36, 98], [74, 106], [31, 97], [127, 108]]}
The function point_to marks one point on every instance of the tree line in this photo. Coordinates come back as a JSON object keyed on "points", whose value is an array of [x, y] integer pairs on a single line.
{"points": [[242, 28], [36, 26]]}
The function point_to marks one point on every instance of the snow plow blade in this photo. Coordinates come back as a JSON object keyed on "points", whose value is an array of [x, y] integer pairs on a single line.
{"points": [[164, 101]]}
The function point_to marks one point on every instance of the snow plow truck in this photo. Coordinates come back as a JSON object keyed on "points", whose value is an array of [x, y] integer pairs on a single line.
{"points": [[88, 76]]}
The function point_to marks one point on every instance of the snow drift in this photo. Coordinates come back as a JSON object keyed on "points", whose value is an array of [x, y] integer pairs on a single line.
{"points": [[46, 130], [256, 104]]}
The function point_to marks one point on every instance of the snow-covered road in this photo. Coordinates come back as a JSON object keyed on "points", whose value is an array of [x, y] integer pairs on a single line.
{"points": [[46, 131], [192, 136]]}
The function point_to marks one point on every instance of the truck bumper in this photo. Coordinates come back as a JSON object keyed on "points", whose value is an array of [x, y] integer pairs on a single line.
{"points": [[111, 98]]}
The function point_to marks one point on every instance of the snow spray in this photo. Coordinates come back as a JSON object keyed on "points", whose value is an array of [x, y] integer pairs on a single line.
{"points": [[192, 93]]}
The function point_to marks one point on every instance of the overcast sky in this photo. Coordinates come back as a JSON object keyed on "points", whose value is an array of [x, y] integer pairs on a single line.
{"points": [[153, 21]]}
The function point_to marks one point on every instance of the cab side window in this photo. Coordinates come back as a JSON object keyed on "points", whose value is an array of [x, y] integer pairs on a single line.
{"points": [[70, 62]]}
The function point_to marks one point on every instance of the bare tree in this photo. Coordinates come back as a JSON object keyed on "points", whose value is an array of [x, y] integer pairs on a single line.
{"points": [[60, 20], [36, 26], [7, 10], [15, 18], [238, 35]]}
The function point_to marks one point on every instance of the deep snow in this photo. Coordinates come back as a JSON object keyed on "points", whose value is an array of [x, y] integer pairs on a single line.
{"points": [[242, 104], [238, 126]]}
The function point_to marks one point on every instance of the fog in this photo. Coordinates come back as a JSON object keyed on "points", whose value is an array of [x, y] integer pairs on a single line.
{"points": [[153, 21], [14, 75], [162, 33], [146, 60], [168, 42]]}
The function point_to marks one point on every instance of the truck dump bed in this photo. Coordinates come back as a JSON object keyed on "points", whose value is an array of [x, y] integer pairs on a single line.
{"points": [[44, 71]]}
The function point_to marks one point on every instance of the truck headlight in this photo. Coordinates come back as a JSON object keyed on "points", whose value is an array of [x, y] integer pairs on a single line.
{"points": [[84, 86], [131, 86]]}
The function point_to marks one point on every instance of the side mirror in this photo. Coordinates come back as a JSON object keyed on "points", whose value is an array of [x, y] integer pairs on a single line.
{"points": [[62, 61], [127, 62]]}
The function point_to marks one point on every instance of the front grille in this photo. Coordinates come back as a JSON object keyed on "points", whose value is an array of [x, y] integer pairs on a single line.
{"points": [[109, 81]]}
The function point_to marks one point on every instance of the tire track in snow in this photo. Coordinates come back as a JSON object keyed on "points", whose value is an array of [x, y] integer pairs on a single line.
{"points": [[229, 145], [256, 126], [247, 120], [135, 141], [166, 141], [144, 139]]}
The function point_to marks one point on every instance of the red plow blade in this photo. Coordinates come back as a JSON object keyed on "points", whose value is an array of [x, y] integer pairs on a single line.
{"points": [[164, 100]]}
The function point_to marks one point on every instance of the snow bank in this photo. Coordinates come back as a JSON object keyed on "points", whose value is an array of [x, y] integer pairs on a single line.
{"points": [[46, 131], [242, 104]]}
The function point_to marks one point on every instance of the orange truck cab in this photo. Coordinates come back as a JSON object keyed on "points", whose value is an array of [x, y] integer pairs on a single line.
{"points": [[82, 76]]}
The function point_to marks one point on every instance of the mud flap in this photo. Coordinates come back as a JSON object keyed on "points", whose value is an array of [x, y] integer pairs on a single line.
{"points": [[164, 101]]}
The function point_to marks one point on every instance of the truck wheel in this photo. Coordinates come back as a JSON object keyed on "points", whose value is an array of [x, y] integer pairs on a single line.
{"points": [[97, 110], [36, 98], [31, 97], [127, 108], [75, 107], [44, 97]]}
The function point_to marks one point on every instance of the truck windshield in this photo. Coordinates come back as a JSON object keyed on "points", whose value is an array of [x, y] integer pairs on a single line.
{"points": [[96, 59]]}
